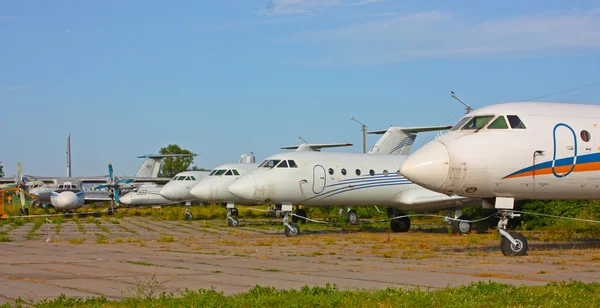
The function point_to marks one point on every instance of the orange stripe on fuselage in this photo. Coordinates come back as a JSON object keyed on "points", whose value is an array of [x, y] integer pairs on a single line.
{"points": [[595, 166]]}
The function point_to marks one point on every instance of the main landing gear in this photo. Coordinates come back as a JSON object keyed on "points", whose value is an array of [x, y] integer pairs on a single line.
{"points": [[401, 224], [512, 243], [458, 222]]}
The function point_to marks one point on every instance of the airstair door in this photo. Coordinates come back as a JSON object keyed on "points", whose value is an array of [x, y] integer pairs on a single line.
{"points": [[318, 179]]}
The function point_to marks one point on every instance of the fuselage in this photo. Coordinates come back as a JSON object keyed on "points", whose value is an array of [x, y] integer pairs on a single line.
{"points": [[518, 150], [178, 188], [144, 195], [215, 187], [67, 196], [346, 179]]}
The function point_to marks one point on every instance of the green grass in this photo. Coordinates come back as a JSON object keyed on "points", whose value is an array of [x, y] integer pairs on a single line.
{"points": [[36, 225], [140, 263], [571, 294], [5, 238]]}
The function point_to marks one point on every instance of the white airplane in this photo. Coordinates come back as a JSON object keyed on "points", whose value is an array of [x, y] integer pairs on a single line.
{"points": [[514, 151], [340, 179], [67, 196], [145, 195]]}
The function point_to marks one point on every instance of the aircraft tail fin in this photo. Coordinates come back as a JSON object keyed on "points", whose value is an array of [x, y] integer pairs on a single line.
{"points": [[315, 146], [152, 162], [248, 158], [399, 140]]}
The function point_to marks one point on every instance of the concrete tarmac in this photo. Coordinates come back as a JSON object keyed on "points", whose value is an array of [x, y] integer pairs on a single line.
{"points": [[141, 256]]}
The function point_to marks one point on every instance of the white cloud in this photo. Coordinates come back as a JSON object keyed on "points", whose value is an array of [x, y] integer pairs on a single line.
{"points": [[15, 88], [439, 34], [365, 2]]}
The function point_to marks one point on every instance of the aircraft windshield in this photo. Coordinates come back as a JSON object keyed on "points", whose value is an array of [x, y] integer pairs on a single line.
{"points": [[282, 164], [235, 172], [515, 122], [477, 122], [228, 172], [212, 173], [220, 172], [263, 163], [499, 123], [271, 163], [460, 123]]}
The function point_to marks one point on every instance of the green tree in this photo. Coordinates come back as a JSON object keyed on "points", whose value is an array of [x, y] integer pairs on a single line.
{"points": [[1, 171], [196, 168], [173, 165]]}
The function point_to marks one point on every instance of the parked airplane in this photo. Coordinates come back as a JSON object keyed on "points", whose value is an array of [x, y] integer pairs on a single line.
{"points": [[514, 151], [145, 195], [343, 179]]}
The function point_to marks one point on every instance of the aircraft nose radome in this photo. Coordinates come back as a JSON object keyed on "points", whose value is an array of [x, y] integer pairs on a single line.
{"points": [[66, 199], [201, 191], [126, 199], [428, 166], [168, 192], [243, 187]]}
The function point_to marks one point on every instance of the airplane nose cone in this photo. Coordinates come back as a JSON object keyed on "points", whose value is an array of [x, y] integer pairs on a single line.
{"points": [[428, 166], [201, 190], [244, 187], [66, 199], [126, 199], [168, 192]]}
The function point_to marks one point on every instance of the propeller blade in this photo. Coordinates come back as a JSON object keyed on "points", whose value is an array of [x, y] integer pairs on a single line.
{"points": [[101, 186], [22, 197], [117, 196], [126, 181], [110, 172], [19, 172]]}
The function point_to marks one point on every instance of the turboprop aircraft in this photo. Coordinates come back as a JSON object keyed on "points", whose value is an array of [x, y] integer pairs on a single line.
{"points": [[514, 151], [340, 179]]}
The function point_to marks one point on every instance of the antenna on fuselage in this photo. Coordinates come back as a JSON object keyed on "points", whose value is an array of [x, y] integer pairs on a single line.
{"points": [[467, 108], [300, 137]]}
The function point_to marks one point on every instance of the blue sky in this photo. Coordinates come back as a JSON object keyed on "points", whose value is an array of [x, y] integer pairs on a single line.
{"points": [[226, 77]]}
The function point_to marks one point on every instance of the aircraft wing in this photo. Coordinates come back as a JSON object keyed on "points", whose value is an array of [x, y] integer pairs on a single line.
{"points": [[417, 129], [315, 146], [7, 180]]}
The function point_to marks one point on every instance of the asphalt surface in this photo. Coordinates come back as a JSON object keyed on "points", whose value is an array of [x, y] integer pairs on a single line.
{"points": [[139, 256]]}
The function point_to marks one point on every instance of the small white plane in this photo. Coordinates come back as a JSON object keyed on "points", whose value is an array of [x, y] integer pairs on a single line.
{"points": [[341, 179], [145, 195], [514, 151]]}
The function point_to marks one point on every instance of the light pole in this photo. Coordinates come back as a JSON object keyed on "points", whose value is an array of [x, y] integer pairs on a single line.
{"points": [[364, 131], [467, 108]]}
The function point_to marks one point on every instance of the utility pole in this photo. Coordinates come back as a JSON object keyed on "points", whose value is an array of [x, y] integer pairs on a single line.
{"points": [[364, 131], [467, 108]]}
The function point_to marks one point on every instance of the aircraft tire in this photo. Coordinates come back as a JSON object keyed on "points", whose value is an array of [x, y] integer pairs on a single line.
{"points": [[233, 222], [234, 212], [400, 224], [293, 231], [25, 211], [189, 216], [352, 217], [508, 249], [299, 212], [462, 227]]}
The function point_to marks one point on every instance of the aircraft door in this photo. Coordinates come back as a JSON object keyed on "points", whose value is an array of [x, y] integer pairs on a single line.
{"points": [[564, 155], [318, 179]]}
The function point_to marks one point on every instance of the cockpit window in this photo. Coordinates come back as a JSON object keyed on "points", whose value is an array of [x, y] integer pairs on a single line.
{"points": [[478, 122], [499, 123], [263, 163], [235, 172], [283, 164], [212, 172], [292, 164], [271, 163], [193, 178], [460, 123], [181, 178], [515, 122], [220, 172], [228, 172], [175, 178]]}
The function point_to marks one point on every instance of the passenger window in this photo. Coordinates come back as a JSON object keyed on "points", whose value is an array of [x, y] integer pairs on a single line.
{"points": [[292, 164], [372, 172], [283, 164], [228, 172], [478, 122], [357, 171], [331, 171], [460, 123], [515, 122], [235, 172], [499, 123], [344, 171], [386, 173], [220, 172]]}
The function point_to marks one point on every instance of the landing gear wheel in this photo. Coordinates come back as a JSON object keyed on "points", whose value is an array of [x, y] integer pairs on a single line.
{"points": [[508, 249], [399, 224], [233, 222], [234, 212], [302, 218], [293, 231], [462, 227], [24, 211], [111, 211], [352, 217], [189, 216]]}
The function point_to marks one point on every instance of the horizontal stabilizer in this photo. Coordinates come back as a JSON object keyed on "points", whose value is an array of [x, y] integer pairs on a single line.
{"points": [[315, 146], [399, 140]]}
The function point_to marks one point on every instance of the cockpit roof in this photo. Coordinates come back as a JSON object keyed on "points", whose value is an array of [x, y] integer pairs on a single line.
{"points": [[538, 108]]}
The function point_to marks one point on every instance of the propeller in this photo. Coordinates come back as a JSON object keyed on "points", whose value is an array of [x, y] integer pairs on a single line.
{"points": [[113, 184]]}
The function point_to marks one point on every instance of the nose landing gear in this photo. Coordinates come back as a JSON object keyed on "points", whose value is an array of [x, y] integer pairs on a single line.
{"points": [[512, 243]]}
